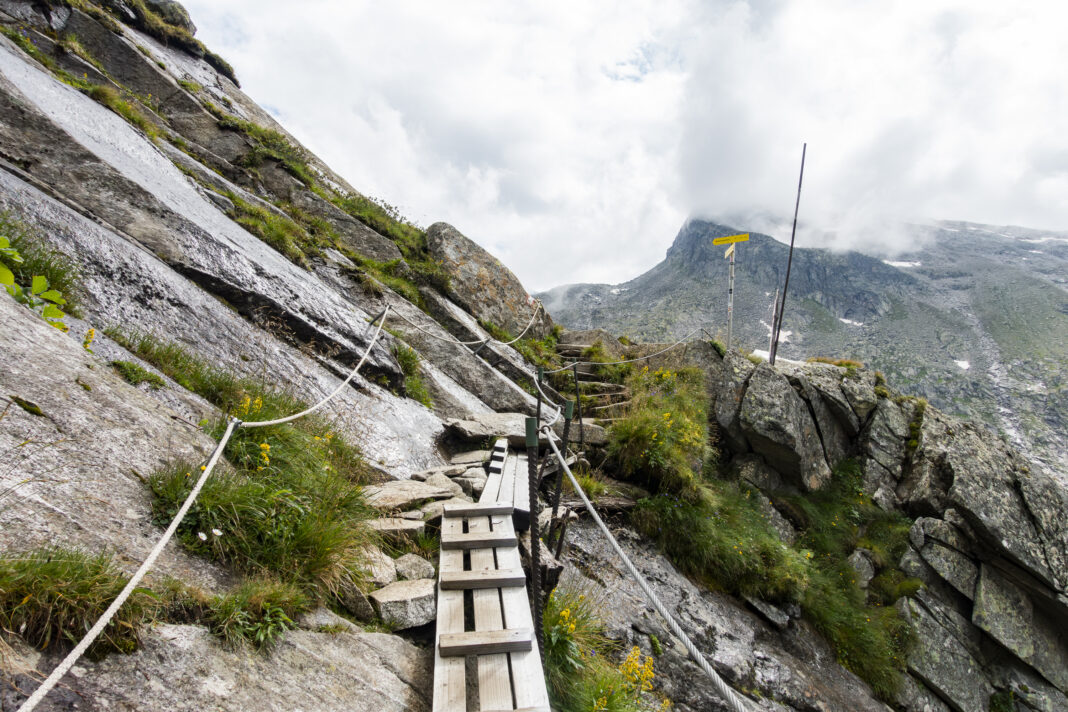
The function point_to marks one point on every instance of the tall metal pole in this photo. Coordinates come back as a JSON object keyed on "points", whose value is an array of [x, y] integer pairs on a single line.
{"points": [[730, 299], [789, 263], [774, 314]]}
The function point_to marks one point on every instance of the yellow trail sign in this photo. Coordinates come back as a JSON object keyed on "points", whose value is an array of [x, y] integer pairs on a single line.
{"points": [[744, 237]]}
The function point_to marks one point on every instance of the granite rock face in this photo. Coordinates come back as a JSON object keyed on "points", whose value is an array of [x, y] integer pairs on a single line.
{"points": [[481, 284]]}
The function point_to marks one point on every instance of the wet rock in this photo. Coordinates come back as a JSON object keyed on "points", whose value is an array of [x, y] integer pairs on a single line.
{"points": [[946, 550], [861, 562], [859, 391], [397, 529], [433, 511], [946, 653], [1007, 613], [411, 567], [183, 667], [485, 427], [446, 484], [379, 568], [471, 458], [728, 382], [325, 618], [481, 284], [778, 426], [402, 494], [406, 604]]}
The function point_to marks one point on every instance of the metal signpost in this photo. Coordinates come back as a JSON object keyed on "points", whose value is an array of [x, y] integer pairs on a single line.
{"points": [[730, 240]]}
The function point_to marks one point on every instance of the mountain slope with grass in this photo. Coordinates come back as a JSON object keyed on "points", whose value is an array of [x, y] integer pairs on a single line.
{"points": [[973, 317], [172, 259]]}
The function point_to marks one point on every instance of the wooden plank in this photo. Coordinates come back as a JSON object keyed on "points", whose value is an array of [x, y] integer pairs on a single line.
{"points": [[450, 679], [476, 510], [528, 679], [475, 539], [493, 486], [521, 493], [478, 642], [494, 679], [508, 480], [453, 580]]}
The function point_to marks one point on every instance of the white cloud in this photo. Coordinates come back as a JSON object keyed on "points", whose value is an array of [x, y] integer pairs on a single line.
{"points": [[572, 139]]}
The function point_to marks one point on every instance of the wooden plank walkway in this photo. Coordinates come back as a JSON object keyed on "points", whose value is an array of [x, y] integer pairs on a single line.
{"points": [[510, 677]]}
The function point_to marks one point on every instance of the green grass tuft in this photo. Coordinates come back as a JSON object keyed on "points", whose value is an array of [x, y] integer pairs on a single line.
{"points": [[136, 374], [257, 613], [414, 387], [52, 595], [39, 259], [111, 98]]}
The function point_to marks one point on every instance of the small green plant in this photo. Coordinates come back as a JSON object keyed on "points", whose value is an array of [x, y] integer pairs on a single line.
{"points": [[136, 374], [111, 98], [719, 347], [189, 85], [258, 613], [654, 642], [33, 273], [50, 596], [280, 232], [1003, 701], [662, 439], [610, 372], [414, 387], [841, 362]]}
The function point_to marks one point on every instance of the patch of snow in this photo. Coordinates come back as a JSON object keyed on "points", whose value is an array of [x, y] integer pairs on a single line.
{"points": [[1040, 240], [950, 229], [1036, 252], [963, 365], [892, 263], [850, 322], [614, 291]]}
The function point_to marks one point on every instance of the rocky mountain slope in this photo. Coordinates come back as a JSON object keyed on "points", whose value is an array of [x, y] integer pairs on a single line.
{"points": [[190, 216], [974, 318]]}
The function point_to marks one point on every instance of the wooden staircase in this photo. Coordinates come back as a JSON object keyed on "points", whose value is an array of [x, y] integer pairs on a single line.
{"points": [[601, 402], [480, 570]]}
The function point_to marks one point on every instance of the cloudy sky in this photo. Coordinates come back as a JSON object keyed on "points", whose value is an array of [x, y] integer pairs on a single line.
{"points": [[572, 139]]}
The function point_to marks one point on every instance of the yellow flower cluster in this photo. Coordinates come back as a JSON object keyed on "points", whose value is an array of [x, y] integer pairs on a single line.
{"points": [[565, 620], [248, 406], [89, 336], [638, 674], [265, 456]]}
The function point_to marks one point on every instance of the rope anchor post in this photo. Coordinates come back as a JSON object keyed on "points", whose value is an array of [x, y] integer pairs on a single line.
{"points": [[535, 540]]}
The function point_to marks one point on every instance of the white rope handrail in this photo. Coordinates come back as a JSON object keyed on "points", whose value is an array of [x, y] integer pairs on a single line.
{"points": [[628, 360], [451, 340], [725, 691], [102, 622], [232, 424], [324, 401]]}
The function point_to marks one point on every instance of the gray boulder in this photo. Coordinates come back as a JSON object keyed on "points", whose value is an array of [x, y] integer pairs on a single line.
{"points": [[778, 426], [402, 494], [411, 567], [728, 378], [378, 567], [481, 284], [407, 604]]}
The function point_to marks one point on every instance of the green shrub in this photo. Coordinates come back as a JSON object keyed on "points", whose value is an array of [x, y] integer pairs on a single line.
{"points": [[280, 232], [258, 613], [28, 255], [662, 440], [728, 542], [136, 374], [414, 387], [578, 672], [610, 372], [52, 595]]}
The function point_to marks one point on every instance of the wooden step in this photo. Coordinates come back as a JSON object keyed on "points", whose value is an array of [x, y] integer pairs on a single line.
{"points": [[477, 510], [477, 540], [468, 580], [512, 640]]}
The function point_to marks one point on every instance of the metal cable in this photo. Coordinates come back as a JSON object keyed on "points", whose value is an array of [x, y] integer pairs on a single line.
{"points": [[324, 401], [451, 340], [98, 627], [629, 360], [725, 691]]}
